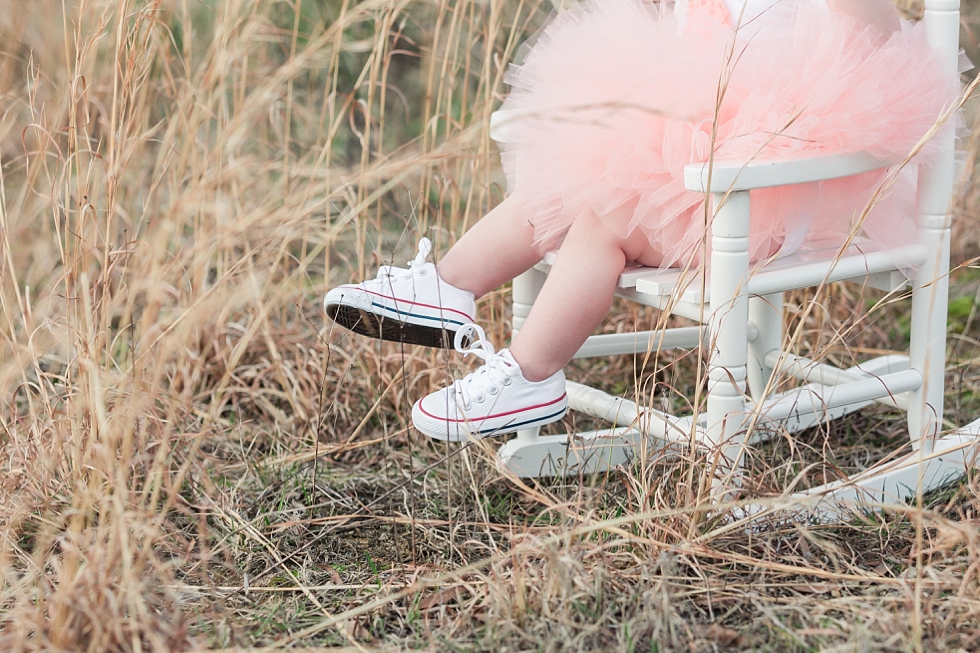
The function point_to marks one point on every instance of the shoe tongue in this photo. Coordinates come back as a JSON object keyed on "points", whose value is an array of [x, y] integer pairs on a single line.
{"points": [[386, 271]]}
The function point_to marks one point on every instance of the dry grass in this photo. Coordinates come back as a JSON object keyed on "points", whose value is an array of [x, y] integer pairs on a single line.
{"points": [[192, 458]]}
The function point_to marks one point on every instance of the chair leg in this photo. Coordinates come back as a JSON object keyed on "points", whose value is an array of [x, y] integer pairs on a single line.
{"points": [[525, 290], [727, 365], [930, 297], [927, 350], [766, 314]]}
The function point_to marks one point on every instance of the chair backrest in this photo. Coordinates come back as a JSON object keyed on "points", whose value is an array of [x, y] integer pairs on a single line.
{"points": [[942, 21], [942, 24]]}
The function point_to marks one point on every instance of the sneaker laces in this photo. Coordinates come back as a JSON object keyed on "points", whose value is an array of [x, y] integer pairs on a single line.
{"points": [[388, 271], [497, 370]]}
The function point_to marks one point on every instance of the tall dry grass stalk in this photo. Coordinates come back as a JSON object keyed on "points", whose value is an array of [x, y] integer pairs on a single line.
{"points": [[178, 181], [192, 458]]}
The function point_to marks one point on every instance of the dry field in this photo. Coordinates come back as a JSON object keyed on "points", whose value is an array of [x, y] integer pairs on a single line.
{"points": [[191, 458]]}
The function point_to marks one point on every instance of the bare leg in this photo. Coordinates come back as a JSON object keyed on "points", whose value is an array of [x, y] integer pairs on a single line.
{"points": [[577, 295], [575, 298], [494, 251]]}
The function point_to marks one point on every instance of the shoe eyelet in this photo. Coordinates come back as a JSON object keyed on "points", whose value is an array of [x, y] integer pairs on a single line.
{"points": [[480, 399], [508, 381], [422, 272], [494, 390]]}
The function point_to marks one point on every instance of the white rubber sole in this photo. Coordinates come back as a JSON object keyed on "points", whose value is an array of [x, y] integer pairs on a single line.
{"points": [[376, 316], [479, 427]]}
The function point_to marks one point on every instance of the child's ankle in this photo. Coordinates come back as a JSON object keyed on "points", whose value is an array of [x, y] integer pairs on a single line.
{"points": [[452, 280], [531, 369]]}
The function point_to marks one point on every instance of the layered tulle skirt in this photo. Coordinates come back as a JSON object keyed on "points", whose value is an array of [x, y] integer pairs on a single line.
{"points": [[615, 97]]}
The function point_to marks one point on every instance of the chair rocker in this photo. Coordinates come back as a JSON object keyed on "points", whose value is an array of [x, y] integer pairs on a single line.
{"points": [[739, 316]]}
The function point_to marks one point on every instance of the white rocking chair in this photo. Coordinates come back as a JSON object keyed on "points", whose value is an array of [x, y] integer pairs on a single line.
{"points": [[740, 317]]}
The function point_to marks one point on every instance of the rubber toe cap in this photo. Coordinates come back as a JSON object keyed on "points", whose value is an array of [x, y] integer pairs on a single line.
{"points": [[348, 295], [435, 428]]}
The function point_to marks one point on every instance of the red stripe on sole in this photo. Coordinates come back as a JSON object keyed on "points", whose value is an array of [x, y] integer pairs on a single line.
{"points": [[483, 419], [437, 308]]}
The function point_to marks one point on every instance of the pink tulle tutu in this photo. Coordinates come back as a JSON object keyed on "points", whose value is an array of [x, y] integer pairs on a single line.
{"points": [[615, 97]]}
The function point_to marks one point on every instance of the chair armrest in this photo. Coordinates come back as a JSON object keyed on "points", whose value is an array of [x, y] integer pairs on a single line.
{"points": [[502, 123], [737, 176]]}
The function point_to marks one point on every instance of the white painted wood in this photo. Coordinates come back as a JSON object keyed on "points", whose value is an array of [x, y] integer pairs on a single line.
{"points": [[824, 374], [936, 460], [639, 430], [895, 483], [679, 291], [733, 176], [930, 284], [620, 411], [795, 411], [688, 310], [627, 279], [524, 291], [942, 26], [746, 335], [766, 314], [888, 281], [787, 412], [801, 270], [888, 486], [557, 455], [503, 123], [632, 273], [640, 342], [728, 322], [643, 432], [817, 399], [588, 452], [927, 348]]}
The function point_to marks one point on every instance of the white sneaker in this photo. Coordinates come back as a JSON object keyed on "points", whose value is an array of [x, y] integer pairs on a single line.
{"points": [[494, 400], [411, 305]]}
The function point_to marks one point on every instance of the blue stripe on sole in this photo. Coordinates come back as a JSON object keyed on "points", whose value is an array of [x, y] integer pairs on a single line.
{"points": [[500, 430], [404, 315], [540, 421]]}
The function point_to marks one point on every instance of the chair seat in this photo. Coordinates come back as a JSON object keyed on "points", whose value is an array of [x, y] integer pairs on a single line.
{"points": [[682, 291]]}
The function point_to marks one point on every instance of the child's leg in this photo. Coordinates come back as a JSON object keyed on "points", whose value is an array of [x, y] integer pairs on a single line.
{"points": [[494, 251], [501, 397], [426, 304], [576, 296]]}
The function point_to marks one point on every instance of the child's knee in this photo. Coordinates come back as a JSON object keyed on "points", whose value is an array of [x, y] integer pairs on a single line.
{"points": [[590, 227]]}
